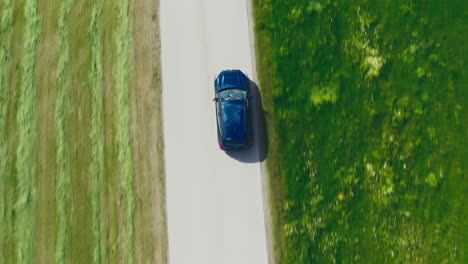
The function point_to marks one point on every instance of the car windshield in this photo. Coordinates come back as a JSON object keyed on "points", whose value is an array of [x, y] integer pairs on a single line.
{"points": [[232, 94]]}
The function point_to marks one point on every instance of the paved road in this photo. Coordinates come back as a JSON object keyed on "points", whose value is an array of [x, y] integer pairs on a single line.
{"points": [[214, 199]]}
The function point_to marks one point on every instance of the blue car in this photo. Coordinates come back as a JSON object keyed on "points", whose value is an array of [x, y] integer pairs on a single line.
{"points": [[233, 110]]}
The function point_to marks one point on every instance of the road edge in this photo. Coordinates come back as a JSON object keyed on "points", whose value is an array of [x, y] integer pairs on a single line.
{"points": [[263, 170]]}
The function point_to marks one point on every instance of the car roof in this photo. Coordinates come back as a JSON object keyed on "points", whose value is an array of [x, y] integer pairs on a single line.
{"points": [[234, 120]]}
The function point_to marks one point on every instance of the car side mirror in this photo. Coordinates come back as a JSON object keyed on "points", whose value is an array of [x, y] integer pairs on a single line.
{"points": [[214, 99]]}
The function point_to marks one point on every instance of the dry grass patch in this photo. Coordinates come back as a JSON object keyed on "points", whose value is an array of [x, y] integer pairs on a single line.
{"points": [[150, 225], [45, 153]]}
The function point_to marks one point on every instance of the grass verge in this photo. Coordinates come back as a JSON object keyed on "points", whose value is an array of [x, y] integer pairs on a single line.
{"points": [[145, 102]]}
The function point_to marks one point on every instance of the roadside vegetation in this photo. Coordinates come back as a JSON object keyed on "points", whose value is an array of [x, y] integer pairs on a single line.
{"points": [[366, 115], [73, 147]]}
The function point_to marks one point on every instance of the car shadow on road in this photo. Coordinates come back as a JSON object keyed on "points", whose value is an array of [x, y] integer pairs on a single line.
{"points": [[259, 149]]}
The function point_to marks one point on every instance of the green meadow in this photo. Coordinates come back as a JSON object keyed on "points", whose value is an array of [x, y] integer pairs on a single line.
{"points": [[366, 117]]}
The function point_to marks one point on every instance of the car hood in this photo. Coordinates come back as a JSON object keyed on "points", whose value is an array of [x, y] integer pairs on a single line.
{"points": [[230, 79], [234, 120]]}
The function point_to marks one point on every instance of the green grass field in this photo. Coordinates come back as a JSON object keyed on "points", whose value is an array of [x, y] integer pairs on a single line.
{"points": [[366, 111], [81, 166]]}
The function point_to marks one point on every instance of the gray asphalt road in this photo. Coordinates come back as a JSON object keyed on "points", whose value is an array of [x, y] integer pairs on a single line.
{"points": [[214, 199]]}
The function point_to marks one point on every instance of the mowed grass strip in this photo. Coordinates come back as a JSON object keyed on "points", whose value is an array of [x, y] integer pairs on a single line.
{"points": [[122, 75], [96, 134], [62, 163], [5, 24], [110, 182], [77, 129], [74, 81], [45, 146], [26, 121]]}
